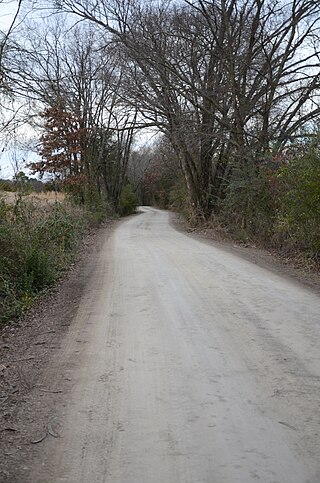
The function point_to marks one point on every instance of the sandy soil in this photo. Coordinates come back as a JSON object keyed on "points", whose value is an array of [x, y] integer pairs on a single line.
{"points": [[164, 359]]}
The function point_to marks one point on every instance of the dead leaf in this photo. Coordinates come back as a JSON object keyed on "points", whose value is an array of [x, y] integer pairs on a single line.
{"points": [[38, 440]]}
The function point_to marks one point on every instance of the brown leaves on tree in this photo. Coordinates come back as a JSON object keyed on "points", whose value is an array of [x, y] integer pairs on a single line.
{"points": [[62, 144]]}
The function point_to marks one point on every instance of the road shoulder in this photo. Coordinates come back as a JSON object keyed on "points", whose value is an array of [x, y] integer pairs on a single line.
{"points": [[27, 348], [286, 267]]}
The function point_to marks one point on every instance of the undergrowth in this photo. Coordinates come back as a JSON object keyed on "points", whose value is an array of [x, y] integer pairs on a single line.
{"points": [[273, 205], [37, 243]]}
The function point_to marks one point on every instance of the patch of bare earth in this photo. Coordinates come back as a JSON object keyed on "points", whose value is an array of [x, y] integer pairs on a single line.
{"points": [[27, 400]]}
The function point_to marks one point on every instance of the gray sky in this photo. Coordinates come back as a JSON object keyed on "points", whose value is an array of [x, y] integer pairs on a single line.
{"points": [[13, 159], [7, 13]]}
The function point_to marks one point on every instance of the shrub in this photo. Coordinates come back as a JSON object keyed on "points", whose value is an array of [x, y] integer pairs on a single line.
{"points": [[299, 212], [128, 201], [178, 196], [250, 204], [36, 244]]}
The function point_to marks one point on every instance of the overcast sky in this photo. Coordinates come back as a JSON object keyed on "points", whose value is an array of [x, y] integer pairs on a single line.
{"points": [[7, 12], [14, 159]]}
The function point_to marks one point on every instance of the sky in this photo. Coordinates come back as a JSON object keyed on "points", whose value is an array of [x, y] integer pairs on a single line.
{"points": [[7, 12]]}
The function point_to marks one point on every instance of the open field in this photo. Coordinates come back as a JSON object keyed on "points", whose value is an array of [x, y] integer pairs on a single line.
{"points": [[43, 198]]}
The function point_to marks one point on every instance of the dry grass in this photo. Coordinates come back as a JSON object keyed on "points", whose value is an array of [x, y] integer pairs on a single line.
{"points": [[49, 197]]}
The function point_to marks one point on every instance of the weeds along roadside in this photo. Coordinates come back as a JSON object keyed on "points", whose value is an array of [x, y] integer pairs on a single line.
{"points": [[37, 244]]}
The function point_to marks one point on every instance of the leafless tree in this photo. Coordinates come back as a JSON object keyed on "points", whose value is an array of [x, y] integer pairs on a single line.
{"points": [[227, 81], [139, 162], [5, 35], [71, 68], [12, 115]]}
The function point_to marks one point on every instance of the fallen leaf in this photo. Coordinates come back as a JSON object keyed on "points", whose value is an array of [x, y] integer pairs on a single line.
{"points": [[36, 441]]}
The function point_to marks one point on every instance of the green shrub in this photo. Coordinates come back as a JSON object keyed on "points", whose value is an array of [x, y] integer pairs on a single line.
{"points": [[250, 205], [36, 244], [9, 304], [38, 271], [299, 213], [98, 211], [128, 201]]}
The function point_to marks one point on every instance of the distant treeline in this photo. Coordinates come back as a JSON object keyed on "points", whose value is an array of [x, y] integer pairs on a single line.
{"points": [[21, 182]]}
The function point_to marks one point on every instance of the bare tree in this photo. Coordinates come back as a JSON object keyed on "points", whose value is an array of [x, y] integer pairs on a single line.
{"points": [[73, 74], [227, 81], [5, 35], [12, 112]]}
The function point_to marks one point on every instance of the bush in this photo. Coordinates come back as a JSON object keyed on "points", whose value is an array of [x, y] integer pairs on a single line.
{"points": [[299, 213], [249, 207], [7, 185], [128, 201], [277, 205], [36, 245]]}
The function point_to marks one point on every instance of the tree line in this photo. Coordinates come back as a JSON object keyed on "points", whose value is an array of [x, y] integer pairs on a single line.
{"points": [[232, 86]]}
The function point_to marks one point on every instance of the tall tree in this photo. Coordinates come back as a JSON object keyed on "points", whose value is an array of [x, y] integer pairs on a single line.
{"points": [[74, 81], [226, 80]]}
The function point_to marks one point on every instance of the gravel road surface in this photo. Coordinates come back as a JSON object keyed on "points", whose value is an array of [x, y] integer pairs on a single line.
{"points": [[187, 364]]}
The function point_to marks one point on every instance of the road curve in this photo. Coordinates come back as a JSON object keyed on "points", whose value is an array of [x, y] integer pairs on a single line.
{"points": [[195, 366]]}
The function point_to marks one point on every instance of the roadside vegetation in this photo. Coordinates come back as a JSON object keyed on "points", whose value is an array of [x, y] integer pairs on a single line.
{"points": [[40, 235], [37, 244], [274, 205]]}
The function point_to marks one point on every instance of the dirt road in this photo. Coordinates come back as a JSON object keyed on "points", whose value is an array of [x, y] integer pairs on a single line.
{"points": [[186, 364]]}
